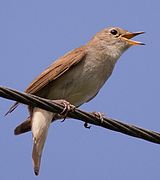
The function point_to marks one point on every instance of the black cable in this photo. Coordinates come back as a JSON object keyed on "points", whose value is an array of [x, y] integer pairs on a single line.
{"points": [[55, 106]]}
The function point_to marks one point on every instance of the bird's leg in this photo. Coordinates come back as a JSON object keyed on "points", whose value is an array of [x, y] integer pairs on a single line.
{"points": [[99, 115], [67, 108]]}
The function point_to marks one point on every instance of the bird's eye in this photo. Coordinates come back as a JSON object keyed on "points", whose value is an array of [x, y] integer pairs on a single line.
{"points": [[114, 32]]}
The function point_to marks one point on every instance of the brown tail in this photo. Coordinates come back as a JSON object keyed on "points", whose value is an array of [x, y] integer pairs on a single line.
{"points": [[23, 127], [38, 144], [26, 125], [36, 156], [41, 120]]}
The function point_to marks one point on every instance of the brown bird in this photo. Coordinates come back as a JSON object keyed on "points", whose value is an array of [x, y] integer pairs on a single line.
{"points": [[76, 77]]}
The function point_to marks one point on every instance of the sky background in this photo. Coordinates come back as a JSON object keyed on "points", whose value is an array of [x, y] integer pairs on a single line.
{"points": [[33, 33]]}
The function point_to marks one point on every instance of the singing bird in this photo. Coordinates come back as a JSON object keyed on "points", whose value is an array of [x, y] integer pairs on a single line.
{"points": [[75, 77]]}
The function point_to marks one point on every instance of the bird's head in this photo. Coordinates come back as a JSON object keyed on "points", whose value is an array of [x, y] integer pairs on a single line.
{"points": [[115, 40]]}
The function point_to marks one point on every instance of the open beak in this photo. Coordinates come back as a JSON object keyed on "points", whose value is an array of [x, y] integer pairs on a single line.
{"points": [[127, 37]]}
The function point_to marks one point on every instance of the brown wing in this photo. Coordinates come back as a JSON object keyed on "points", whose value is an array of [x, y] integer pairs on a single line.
{"points": [[56, 69]]}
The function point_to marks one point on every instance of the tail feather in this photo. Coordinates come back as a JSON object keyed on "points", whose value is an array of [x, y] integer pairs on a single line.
{"points": [[36, 159], [36, 156], [41, 120], [12, 108], [23, 127], [26, 125]]}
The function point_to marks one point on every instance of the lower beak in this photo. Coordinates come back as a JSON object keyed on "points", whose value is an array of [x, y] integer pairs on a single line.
{"points": [[127, 37]]}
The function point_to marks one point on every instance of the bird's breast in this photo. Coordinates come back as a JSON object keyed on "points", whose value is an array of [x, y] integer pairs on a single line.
{"points": [[81, 82]]}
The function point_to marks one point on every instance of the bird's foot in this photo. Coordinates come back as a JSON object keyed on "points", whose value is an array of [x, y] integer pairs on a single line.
{"points": [[67, 108], [99, 115]]}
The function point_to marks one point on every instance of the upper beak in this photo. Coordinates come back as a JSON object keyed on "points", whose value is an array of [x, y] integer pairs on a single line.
{"points": [[127, 37]]}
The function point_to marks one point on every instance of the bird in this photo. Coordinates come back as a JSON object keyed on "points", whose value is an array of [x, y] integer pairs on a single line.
{"points": [[76, 77]]}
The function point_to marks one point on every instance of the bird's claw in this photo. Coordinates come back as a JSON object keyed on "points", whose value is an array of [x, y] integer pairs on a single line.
{"points": [[99, 115], [67, 108]]}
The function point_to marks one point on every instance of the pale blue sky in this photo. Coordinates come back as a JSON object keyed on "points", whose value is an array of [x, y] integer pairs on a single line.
{"points": [[33, 33]]}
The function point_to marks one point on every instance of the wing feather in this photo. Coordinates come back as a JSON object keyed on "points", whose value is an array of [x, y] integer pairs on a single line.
{"points": [[56, 69]]}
